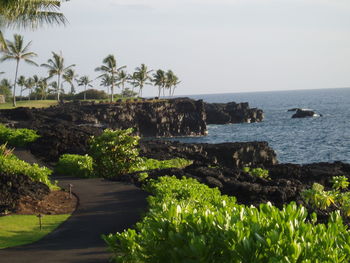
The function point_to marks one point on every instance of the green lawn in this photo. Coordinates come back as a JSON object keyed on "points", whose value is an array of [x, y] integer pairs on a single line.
{"points": [[18, 230], [32, 103]]}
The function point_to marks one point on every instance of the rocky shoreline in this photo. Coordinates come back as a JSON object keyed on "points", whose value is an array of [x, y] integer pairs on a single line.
{"points": [[66, 128]]}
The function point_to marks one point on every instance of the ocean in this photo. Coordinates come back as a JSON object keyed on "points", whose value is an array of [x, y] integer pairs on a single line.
{"points": [[307, 140]]}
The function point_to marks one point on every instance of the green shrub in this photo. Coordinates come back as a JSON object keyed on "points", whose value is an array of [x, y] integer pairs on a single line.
{"points": [[10, 164], [17, 137], [151, 164], [319, 198], [189, 222], [114, 153], [257, 172], [75, 165], [340, 182]]}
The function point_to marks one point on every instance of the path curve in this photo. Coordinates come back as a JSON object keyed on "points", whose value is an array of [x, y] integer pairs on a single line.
{"points": [[104, 207]]}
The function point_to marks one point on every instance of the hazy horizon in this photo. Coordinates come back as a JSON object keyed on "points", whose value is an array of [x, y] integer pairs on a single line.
{"points": [[214, 46]]}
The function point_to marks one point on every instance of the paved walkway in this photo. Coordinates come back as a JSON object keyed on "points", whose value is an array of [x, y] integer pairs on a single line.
{"points": [[104, 207]]}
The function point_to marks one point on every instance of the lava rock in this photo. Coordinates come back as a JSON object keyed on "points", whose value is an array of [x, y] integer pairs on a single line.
{"points": [[301, 113], [14, 187]]}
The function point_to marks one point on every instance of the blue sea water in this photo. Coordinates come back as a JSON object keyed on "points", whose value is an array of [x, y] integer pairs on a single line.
{"points": [[307, 140]]}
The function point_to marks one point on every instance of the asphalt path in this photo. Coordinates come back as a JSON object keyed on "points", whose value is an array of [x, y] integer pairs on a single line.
{"points": [[104, 207]]}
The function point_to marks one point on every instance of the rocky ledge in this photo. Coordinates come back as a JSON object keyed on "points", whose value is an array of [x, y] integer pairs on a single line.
{"points": [[14, 187], [223, 113], [233, 155], [66, 128]]}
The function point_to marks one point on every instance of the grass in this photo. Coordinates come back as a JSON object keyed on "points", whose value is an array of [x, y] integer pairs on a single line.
{"points": [[31, 104], [16, 230]]}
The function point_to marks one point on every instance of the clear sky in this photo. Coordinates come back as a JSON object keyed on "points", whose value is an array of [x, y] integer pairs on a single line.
{"points": [[214, 46]]}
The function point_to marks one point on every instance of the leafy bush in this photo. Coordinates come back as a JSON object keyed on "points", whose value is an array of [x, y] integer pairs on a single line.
{"points": [[340, 182], [10, 164], [17, 137], [151, 164], [92, 94], [318, 197], [321, 199], [114, 153], [75, 165], [257, 172], [189, 222]]}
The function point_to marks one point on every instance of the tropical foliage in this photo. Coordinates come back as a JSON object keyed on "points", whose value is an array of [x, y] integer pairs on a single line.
{"points": [[28, 13], [17, 137], [10, 164], [110, 73], [5, 88], [337, 198], [257, 172], [114, 153], [85, 82], [16, 50], [56, 66], [141, 77], [189, 222], [75, 165]]}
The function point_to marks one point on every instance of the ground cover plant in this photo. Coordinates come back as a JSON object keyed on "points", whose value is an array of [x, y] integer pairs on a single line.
{"points": [[257, 172], [17, 137], [10, 164], [16, 230], [190, 222], [75, 165], [150, 164]]}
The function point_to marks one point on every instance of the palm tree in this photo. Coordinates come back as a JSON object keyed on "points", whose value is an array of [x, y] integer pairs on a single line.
{"points": [[56, 66], [29, 86], [22, 83], [84, 81], [36, 81], [43, 88], [55, 88], [28, 13], [159, 79], [123, 77], [5, 88], [110, 68], [140, 77], [171, 81], [70, 76], [106, 81], [175, 83], [17, 51]]}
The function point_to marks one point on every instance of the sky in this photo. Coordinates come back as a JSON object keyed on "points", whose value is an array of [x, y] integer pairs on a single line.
{"points": [[214, 46]]}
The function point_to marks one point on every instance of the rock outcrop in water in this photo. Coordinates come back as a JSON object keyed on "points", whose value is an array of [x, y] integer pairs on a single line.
{"points": [[303, 113], [223, 113]]}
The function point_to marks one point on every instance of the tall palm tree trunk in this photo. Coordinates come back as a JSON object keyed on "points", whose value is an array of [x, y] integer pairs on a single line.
{"points": [[14, 85], [58, 87], [173, 91], [112, 92], [20, 94], [123, 87], [159, 90], [85, 93]]}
